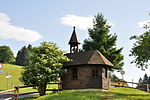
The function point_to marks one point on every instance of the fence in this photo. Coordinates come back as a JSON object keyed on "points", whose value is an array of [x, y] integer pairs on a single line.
{"points": [[146, 87], [16, 90]]}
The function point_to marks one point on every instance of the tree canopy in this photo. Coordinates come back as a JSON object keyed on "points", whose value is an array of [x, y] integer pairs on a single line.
{"points": [[45, 66], [23, 55], [101, 40], [6, 55], [141, 50]]}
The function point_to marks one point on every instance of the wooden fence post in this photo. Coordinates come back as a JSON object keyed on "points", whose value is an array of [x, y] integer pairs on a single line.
{"points": [[132, 83], [147, 87], [16, 94]]}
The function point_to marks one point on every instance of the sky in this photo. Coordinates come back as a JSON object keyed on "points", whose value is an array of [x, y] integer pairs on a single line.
{"points": [[24, 22]]}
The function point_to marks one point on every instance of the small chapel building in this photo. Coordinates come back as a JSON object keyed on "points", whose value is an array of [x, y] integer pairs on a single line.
{"points": [[86, 69]]}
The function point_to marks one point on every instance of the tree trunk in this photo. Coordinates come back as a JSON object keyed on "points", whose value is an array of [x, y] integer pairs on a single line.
{"points": [[42, 89]]}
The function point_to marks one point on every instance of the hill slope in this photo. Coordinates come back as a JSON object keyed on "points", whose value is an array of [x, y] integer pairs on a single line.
{"points": [[112, 94], [14, 71]]}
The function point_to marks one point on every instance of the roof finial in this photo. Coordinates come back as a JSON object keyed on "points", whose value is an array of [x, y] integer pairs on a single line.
{"points": [[74, 27]]}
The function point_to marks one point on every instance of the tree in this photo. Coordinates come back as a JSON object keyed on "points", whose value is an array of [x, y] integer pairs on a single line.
{"points": [[145, 79], [45, 66], [141, 50], [114, 77], [139, 86], [140, 80], [101, 40], [6, 55], [23, 55]]}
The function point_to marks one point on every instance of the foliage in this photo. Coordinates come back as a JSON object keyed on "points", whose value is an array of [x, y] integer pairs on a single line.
{"points": [[144, 80], [6, 55], [114, 77], [141, 50], [23, 56], [45, 66], [112, 94], [101, 40]]}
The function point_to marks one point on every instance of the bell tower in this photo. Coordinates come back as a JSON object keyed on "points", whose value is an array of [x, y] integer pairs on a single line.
{"points": [[74, 42]]}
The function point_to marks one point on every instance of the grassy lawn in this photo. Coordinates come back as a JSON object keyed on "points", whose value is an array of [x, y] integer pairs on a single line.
{"points": [[14, 71], [117, 93], [30, 89]]}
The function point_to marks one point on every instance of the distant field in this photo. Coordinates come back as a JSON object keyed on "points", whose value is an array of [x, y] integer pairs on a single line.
{"points": [[14, 71]]}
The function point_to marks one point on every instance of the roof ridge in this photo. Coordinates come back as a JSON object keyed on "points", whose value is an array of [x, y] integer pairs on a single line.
{"points": [[100, 54], [91, 55], [104, 59]]}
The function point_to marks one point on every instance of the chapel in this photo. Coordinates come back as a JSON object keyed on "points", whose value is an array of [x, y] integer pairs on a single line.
{"points": [[86, 69]]}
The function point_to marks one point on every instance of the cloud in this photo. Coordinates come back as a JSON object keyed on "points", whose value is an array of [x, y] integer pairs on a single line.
{"points": [[144, 23], [9, 31], [80, 22]]}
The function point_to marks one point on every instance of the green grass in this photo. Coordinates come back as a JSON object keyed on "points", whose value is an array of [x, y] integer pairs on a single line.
{"points": [[117, 93], [30, 89], [14, 71]]}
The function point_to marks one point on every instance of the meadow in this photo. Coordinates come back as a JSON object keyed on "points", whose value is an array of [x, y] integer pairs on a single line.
{"points": [[14, 71], [115, 93]]}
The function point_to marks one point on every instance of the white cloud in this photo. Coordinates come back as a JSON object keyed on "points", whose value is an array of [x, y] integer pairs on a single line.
{"points": [[80, 22], [143, 23], [9, 31]]}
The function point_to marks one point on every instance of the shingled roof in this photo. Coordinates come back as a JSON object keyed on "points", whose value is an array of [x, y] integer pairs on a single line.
{"points": [[87, 57]]}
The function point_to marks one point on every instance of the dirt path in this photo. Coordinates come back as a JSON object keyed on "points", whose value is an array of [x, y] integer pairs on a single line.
{"points": [[6, 96]]}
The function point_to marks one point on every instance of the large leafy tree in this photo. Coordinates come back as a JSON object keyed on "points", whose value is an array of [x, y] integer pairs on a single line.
{"points": [[6, 55], [23, 55], [45, 66], [101, 40], [141, 50]]}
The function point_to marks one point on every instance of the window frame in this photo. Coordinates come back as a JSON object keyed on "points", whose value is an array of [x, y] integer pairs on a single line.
{"points": [[75, 73], [95, 72]]}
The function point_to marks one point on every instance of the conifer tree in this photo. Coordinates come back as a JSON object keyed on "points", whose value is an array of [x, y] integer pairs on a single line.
{"points": [[145, 79], [23, 56], [100, 39]]}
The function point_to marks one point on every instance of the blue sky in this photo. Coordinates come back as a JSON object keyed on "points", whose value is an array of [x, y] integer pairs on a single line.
{"points": [[33, 21]]}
